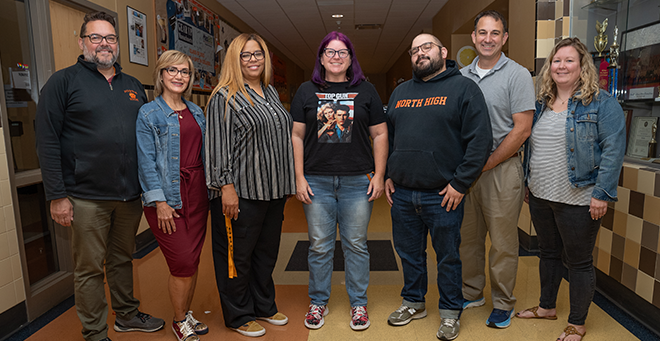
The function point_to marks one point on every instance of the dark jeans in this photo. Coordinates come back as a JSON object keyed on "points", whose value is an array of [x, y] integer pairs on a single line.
{"points": [[256, 236], [414, 215], [567, 236]]}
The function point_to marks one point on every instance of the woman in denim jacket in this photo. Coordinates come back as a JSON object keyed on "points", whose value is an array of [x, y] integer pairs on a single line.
{"points": [[170, 141], [572, 163]]}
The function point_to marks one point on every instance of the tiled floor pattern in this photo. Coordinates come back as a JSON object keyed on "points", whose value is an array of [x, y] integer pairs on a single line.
{"points": [[151, 288]]}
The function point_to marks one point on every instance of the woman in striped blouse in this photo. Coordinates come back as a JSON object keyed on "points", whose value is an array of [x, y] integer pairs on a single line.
{"points": [[572, 163], [250, 173]]}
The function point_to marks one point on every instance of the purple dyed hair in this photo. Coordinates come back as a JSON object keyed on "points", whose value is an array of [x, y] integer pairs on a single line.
{"points": [[354, 72]]}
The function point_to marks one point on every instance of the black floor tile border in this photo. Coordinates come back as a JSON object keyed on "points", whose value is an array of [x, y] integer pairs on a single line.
{"points": [[381, 256], [42, 320]]}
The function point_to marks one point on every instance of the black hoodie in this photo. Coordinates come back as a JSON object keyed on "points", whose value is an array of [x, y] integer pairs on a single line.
{"points": [[439, 132], [86, 133]]}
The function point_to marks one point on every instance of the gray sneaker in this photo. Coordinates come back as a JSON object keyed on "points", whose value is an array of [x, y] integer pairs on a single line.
{"points": [[404, 315], [139, 323], [449, 329]]}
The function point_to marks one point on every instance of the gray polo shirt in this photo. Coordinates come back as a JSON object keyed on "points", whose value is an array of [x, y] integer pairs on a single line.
{"points": [[508, 89]]}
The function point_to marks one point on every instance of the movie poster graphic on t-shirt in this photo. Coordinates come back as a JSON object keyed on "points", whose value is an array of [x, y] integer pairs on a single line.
{"points": [[335, 117]]}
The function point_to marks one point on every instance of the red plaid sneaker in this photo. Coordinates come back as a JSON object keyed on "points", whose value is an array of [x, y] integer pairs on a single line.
{"points": [[359, 318], [184, 331], [314, 318]]}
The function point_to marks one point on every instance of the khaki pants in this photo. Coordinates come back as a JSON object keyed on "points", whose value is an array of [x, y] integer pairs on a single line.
{"points": [[492, 206], [104, 234]]}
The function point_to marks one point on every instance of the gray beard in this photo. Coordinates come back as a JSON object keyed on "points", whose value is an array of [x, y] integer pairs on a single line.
{"points": [[94, 59], [424, 71]]}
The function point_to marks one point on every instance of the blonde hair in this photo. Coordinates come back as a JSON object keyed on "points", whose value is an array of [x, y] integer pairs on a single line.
{"points": [[587, 84], [320, 115], [231, 76], [167, 59]]}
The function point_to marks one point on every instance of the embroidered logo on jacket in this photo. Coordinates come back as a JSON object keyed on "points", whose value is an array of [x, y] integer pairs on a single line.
{"points": [[132, 95]]}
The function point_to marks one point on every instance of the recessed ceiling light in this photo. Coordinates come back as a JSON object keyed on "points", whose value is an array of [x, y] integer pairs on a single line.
{"points": [[336, 16]]}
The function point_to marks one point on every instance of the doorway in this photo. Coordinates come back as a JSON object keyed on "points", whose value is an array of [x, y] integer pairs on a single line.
{"points": [[37, 38]]}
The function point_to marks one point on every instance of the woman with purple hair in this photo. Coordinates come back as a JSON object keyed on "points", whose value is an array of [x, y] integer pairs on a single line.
{"points": [[338, 175]]}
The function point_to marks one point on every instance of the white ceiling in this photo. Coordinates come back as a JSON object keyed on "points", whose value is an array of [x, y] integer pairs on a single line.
{"points": [[296, 27]]}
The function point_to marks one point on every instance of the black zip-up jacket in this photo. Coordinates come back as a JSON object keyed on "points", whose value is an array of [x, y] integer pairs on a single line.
{"points": [[85, 131], [439, 132]]}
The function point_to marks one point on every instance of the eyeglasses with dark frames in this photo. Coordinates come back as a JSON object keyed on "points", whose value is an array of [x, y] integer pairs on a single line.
{"points": [[426, 47], [97, 38], [328, 52], [172, 71], [258, 55]]}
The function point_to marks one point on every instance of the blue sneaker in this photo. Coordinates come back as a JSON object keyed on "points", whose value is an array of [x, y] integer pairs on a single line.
{"points": [[473, 304], [499, 318]]}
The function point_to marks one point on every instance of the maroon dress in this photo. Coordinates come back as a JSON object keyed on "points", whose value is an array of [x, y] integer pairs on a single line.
{"points": [[183, 247]]}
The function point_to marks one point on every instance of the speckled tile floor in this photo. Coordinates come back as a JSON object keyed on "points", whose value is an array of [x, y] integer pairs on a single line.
{"points": [[151, 289]]}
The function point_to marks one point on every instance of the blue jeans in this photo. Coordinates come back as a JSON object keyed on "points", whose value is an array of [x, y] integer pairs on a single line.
{"points": [[414, 215], [343, 201], [567, 236]]}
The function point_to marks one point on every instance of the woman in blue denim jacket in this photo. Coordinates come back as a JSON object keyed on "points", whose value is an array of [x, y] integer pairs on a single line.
{"points": [[170, 142], [572, 163]]}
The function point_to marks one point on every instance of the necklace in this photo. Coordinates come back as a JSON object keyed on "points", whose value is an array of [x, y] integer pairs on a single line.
{"points": [[562, 102], [178, 112]]}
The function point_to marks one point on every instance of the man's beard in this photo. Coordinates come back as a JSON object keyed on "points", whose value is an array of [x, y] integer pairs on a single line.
{"points": [[95, 59], [432, 67]]}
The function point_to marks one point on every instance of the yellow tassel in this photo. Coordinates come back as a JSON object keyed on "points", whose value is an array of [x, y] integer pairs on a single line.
{"points": [[230, 255]]}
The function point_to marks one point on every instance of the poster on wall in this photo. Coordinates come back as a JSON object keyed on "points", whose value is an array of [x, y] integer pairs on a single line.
{"points": [[190, 27], [137, 36]]}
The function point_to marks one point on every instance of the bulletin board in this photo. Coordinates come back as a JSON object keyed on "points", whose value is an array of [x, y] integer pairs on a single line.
{"points": [[190, 27]]}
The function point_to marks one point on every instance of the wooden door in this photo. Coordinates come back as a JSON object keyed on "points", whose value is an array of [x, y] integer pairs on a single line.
{"points": [[65, 27]]}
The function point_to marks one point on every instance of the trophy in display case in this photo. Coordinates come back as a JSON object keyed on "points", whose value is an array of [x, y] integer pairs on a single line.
{"points": [[614, 64], [600, 41], [653, 144]]}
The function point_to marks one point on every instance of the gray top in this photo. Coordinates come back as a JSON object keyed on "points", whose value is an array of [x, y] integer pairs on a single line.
{"points": [[548, 166], [508, 89]]}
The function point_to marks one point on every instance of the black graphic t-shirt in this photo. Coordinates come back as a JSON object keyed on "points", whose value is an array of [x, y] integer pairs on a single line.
{"points": [[337, 122]]}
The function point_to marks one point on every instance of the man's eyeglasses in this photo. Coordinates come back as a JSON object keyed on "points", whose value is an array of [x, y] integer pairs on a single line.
{"points": [[426, 47], [258, 55], [97, 38], [328, 52], [172, 71]]}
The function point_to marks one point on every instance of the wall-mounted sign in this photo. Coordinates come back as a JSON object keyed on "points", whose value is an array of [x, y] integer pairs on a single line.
{"points": [[137, 36]]}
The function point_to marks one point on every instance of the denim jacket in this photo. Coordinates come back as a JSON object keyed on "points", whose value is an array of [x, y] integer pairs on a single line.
{"points": [[595, 144], [158, 151]]}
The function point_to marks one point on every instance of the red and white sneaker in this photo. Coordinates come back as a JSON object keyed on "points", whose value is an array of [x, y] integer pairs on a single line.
{"points": [[314, 318], [184, 331], [359, 318], [199, 328]]}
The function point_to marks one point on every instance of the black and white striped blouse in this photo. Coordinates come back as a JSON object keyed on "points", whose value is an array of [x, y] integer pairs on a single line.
{"points": [[548, 166], [249, 146]]}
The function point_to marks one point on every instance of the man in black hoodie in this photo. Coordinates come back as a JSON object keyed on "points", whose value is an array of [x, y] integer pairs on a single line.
{"points": [[85, 127], [440, 138]]}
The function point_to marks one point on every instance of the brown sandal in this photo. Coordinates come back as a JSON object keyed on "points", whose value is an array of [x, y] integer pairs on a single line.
{"points": [[571, 330], [533, 310]]}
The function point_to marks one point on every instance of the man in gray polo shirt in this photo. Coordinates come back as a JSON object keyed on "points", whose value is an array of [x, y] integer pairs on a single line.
{"points": [[493, 203]]}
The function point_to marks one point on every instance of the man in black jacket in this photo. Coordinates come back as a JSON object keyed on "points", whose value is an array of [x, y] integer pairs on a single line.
{"points": [[85, 127], [440, 138]]}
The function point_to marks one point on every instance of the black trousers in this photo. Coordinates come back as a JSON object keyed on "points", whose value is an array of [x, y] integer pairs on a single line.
{"points": [[256, 236]]}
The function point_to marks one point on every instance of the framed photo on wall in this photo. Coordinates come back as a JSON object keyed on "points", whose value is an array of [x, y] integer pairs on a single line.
{"points": [[640, 136], [137, 36]]}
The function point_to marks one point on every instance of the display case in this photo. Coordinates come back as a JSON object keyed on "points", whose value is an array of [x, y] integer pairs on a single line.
{"points": [[631, 71]]}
